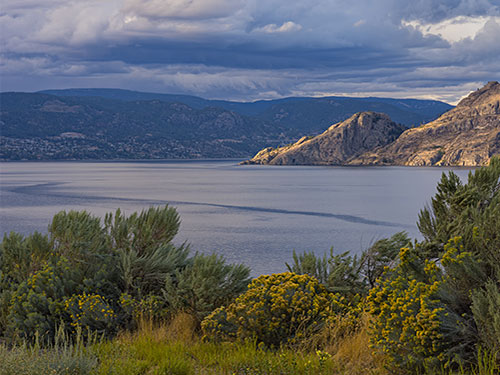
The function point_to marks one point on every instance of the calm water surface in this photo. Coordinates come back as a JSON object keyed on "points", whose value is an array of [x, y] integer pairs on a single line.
{"points": [[252, 214]]}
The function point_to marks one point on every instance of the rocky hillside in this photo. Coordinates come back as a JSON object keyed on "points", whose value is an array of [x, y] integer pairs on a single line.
{"points": [[467, 135], [338, 145]]}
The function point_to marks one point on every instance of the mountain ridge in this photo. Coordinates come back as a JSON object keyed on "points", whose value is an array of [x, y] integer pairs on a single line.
{"points": [[410, 112], [467, 135], [43, 126]]}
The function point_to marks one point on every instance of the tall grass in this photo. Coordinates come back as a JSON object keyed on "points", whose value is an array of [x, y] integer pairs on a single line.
{"points": [[64, 357], [175, 348]]}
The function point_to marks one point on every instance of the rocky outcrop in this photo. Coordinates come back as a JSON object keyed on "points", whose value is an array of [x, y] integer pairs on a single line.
{"points": [[467, 135], [338, 145]]}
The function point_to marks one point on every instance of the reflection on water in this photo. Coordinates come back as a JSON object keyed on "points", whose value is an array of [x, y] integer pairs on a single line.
{"points": [[252, 214]]}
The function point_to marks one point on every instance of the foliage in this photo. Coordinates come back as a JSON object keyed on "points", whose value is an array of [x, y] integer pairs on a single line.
{"points": [[407, 314], [91, 313], [383, 253], [486, 311], [339, 273], [350, 275], [143, 242], [37, 306], [277, 308], [471, 211], [421, 309], [150, 308], [205, 284], [20, 256], [468, 210], [105, 276], [441, 300]]}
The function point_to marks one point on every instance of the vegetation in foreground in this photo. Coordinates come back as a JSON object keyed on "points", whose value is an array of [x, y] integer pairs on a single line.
{"points": [[119, 298]]}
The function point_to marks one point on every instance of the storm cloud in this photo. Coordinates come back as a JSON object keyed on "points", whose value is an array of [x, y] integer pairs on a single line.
{"points": [[247, 50]]}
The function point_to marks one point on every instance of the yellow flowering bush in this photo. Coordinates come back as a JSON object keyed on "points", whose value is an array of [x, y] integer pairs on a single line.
{"points": [[413, 308], [277, 308], [36, 305], [91, 312], [407, 315]]}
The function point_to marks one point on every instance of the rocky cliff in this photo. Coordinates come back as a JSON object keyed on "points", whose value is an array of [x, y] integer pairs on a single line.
{"points": [[338, 145], [467, 135]]}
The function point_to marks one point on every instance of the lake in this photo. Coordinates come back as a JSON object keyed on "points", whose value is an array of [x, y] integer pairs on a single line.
{"points": [[256, 215]]}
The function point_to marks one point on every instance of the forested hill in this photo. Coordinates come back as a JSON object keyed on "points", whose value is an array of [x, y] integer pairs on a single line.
{"points": [[302, 113], [119, 124]]}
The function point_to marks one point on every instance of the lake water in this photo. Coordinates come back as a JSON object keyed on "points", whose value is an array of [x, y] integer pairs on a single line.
{"points": [[256, 215]]}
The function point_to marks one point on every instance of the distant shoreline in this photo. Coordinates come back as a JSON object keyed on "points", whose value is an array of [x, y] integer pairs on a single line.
{"points": [[238, 162], [119, 160]]}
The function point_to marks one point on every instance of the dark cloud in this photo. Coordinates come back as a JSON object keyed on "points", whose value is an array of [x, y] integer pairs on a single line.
{"points": [[252, 49]]}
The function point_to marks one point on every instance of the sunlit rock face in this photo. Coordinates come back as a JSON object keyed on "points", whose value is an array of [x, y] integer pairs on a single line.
{"points": [[339, 144], [467, 135]]}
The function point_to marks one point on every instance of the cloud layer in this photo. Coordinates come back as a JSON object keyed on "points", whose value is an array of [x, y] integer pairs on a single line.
{"points": [[254, 49]]}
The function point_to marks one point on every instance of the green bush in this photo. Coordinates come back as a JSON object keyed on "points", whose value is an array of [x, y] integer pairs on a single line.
{"points": [[441, 301], [383, 253], [143, 244], [472, 212], [276, 309], [101, 277], [37, 305], [339, 273], [410, 322], [205, 284], [486, 312], [91, 313], [43, 278], [350, 275]]}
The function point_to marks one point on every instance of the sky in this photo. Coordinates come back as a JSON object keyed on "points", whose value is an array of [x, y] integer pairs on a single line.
{"points": [[255, 49]]}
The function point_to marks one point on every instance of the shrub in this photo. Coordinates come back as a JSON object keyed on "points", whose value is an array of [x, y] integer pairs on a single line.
{"points": [[37, 306], [48, 280], [205, 284], [19, 257], [143, 244], [350, 275], [339, 273], [441, 302], [148, 308], [91, 313], [486, 313], [383, 253], [276, 309], [421, 316], [407, 315], [470, 210]]}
